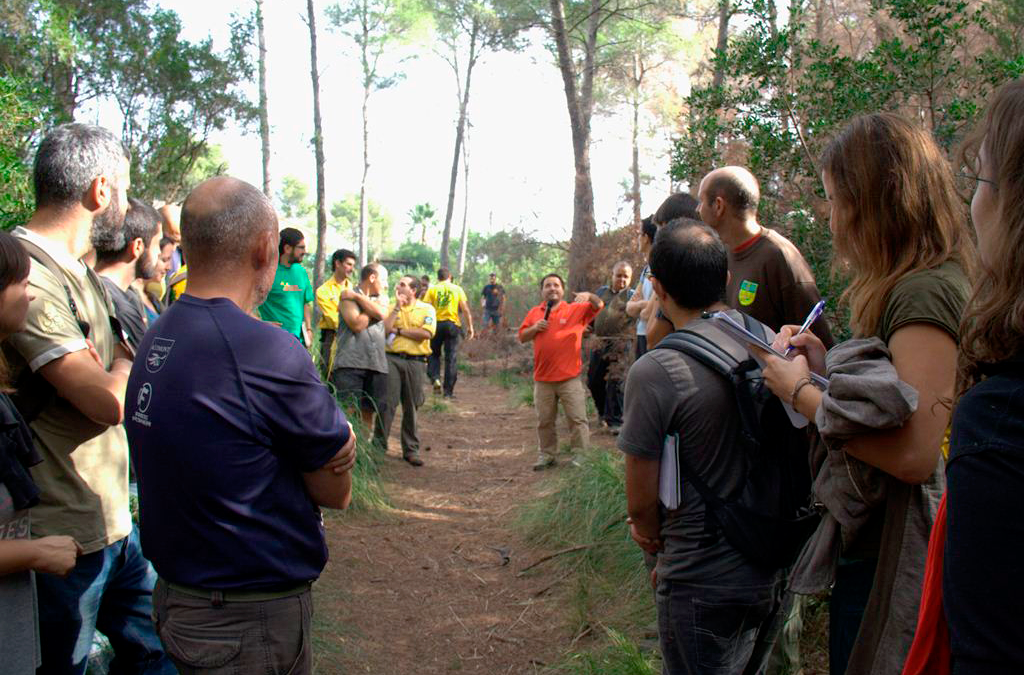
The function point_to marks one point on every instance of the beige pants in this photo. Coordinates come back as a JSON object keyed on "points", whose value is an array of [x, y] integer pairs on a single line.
{"points": [[546, 396]]}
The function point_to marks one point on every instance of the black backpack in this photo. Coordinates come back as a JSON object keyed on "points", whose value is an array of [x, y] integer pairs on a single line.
{"points": [[771, 517]]}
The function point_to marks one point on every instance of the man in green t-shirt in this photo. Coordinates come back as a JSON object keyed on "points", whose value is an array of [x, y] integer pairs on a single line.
{"points": [[289, 303]]}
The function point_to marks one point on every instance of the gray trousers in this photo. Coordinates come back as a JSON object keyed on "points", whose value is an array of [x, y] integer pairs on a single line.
{"points": [[326, 342], [406, 379], [265, 636]]}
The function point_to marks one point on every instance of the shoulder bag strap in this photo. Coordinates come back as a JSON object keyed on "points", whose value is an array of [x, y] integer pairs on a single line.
{"points": [[43, 258]]}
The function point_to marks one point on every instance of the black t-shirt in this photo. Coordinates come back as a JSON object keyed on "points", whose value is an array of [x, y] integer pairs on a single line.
{"points": [[983, 553], [492, 294], [129, 310], [224, 412]]}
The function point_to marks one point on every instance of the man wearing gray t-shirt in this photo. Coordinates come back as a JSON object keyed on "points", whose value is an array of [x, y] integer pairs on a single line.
{"points": [[715, 606], [360, 372]]}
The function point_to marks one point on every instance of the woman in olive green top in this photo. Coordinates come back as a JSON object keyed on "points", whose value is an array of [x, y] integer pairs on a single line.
{"points": [[901, 234]]}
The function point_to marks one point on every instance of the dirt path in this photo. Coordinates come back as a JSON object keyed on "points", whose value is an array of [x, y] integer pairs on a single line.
{"points": [[434, 588]]}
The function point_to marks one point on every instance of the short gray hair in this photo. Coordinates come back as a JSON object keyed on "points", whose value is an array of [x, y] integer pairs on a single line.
{"points": [[70, 158], [222, 226]]}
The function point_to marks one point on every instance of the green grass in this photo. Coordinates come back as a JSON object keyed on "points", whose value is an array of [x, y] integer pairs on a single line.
{"points": [[586, 506], [618, 656], [505, 378], [519, 384], [368, 493], [522, 393], [437, 404], [465, 368]]}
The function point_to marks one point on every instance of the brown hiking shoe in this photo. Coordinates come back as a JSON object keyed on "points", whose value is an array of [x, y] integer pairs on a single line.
{"points": [[545, 462], [413, 458]]}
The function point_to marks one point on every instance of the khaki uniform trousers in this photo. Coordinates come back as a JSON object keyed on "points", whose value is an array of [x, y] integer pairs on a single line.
{"points": [[546, 396], [406, 379]]}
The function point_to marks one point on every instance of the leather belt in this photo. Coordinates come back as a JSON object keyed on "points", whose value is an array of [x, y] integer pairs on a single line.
{"points": [[411, 357], [241, 594]]}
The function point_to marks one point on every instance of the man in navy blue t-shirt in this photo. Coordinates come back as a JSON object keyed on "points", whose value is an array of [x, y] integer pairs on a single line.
{"points": [[236, 444]]}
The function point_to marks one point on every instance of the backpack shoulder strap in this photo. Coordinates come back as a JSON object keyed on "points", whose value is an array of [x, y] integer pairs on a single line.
{"points": [[754, 326], [706, 352], [43, 258], [702, 349]]}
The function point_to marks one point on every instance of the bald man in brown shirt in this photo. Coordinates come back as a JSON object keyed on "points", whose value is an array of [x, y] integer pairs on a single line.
{"points": [[768, 277]]}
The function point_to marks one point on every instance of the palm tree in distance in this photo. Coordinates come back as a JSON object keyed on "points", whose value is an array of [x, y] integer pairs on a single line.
{"points": [[422, 216]]}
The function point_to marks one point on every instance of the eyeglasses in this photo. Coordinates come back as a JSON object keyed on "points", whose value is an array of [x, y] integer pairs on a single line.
{"points": [[971, 182]]}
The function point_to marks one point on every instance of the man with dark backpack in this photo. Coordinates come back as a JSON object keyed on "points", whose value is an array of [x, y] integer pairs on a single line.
{"points": [[714, 479]]}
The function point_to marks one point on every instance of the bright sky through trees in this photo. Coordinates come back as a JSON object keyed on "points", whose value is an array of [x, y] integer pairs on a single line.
{"points": [[520, 152]]}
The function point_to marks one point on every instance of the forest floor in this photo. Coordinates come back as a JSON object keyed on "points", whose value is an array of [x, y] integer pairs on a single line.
{"points": [[444, 581], [434, 585]]}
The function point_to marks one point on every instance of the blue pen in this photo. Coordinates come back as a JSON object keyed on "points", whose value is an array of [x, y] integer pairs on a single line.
{"points": [[811, 318]]}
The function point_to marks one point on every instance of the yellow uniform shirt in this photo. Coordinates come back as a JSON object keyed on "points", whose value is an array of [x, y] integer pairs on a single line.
{"points": [[178, 283], [445, 297], [327, 299], [417, 315]]}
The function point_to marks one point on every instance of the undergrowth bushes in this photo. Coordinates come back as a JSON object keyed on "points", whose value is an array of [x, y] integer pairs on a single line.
{"points": [[368, 492], [610, 597], [619, 656], [519, 384]]}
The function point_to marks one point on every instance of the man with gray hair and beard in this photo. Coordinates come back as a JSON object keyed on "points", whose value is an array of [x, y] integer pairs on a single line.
{"points": [[71, 373], [236, 444]]}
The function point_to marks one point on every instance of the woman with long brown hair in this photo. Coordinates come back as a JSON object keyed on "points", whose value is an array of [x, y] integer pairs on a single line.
{"points": [[20, 555], [900, 234], [974, 570]]}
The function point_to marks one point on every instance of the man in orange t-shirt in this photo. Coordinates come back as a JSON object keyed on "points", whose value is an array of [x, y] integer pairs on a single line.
{"points": [[556, 328]]}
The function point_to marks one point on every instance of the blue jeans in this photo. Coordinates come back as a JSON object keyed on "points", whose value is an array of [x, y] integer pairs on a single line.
{"points": [[110, 590], [854, 579], [716, 628]]}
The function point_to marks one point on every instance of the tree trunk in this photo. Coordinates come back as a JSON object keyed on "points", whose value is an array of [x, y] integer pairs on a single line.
{"points": [[367, 84], [465, 207], [460, 129], [580, 104], [318, 148], [819, 21], [363, 224], [635, 192], [63, 82], [264, 115], [724, 13]]}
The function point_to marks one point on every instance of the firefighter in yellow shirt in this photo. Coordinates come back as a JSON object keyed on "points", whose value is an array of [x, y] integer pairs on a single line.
{"points": [[410, 324], [177, 284], [328, 296], [448, 300]]}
